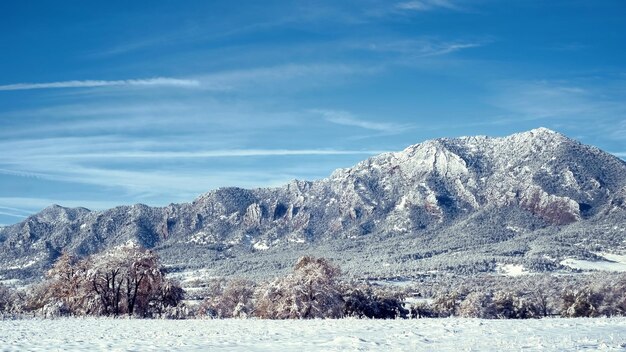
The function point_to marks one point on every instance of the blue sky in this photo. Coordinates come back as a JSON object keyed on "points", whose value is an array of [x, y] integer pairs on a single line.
{"points": [[117, 102]]}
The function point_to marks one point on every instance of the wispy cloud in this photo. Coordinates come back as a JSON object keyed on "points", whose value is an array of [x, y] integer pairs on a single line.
{"points": [[32, 205], [144, 168], [12, 214], [233, 153], [178, 185], [193, 34], [428, 5], [616, 130], [423, 47], [294, 76], [584, 108], [273, 76], [14, 210], [347, 119], [534, 100], [149, 82], [120, 117], [447, 48]]}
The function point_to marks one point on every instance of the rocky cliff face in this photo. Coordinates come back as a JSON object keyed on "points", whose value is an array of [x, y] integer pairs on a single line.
{"points": [[429, 188]]}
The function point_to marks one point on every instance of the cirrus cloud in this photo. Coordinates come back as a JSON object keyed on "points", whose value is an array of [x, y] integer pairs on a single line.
{"points": [[149, 82], [427, 5]]}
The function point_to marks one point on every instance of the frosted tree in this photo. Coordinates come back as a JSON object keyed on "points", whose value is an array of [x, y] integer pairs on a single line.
{"points": [[581, 302], [106, 279], [143, 278], [510, 304], [211, 305], [541, 291], [366, 301], [477, 304], [166, 301], [310, 291], [232, 299], [65, 284], [612, 290], [36, 297], [125, 278], [8, 299], [505, 304], [446, 304]]}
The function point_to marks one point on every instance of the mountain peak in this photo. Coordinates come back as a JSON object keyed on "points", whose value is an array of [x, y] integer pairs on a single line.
{"points": [[542, 130], [53, 209], [542, 133], [501, 192], [542, 138]]}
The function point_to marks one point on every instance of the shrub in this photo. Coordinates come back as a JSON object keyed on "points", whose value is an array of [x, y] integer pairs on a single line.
{"points": [[365, 301]]}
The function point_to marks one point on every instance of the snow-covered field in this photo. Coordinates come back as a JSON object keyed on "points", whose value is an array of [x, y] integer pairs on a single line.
{"points": [[614, 262], [314, 335]]}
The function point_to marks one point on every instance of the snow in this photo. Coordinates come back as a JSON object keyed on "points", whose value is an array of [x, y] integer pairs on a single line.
{"points": [[591, 265], [261, 246], [615, 262], [23, 266], [511, 269], [569, 179], [618, 258], [515, 229], [399, 228], [451, 334], [397, 283], [190, 277], [10, 282], [402, 204]]}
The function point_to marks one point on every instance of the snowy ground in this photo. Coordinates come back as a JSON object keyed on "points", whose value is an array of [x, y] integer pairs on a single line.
{"points": [[316, 335], [613, 262]]}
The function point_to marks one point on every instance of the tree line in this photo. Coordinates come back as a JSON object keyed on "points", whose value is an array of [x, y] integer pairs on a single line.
{"points": [[312, 290], [128, 280], [531, 296]]}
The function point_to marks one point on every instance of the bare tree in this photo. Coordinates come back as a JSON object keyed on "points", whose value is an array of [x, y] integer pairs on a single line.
{"points": [[541, 291], [142, 277], [123, 280], [167, 301], [106, 279]]}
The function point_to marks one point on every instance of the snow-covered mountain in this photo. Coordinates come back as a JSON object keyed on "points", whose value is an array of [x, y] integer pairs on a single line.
{"points": [[466, 203]]}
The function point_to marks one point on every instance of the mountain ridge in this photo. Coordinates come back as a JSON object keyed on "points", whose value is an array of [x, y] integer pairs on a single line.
{"points": [[542, 179]]}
